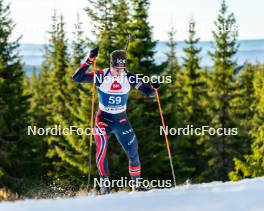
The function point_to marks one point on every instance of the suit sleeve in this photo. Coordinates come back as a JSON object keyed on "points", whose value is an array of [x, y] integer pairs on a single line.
{"points": [[140, 85], [81, 75]]}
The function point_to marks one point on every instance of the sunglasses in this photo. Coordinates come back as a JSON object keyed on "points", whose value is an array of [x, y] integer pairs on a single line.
{"points": [[119, 70]]}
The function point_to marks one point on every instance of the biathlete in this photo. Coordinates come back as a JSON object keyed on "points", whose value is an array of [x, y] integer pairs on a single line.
{"points": [[113, 85]]}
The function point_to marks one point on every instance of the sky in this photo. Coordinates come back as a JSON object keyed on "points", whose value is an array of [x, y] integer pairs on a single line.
{"points": [[33, 17]]}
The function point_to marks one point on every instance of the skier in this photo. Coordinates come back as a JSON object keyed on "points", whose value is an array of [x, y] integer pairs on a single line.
{"points": [[113, 85]]}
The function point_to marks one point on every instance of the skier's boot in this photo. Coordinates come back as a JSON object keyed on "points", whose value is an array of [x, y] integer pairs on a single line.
{"points": [[139, 188], [104, 188], [137, 184]]}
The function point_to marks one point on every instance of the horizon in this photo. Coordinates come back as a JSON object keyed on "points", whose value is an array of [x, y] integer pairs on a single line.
{"points": [[249, 50], [238, 40]]}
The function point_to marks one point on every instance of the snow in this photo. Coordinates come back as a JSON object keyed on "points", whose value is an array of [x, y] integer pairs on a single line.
{"points": [[245, 195]]}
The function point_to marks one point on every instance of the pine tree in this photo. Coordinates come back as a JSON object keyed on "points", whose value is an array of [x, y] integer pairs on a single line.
{"points": [[172, 63], [171, 97], [16, 147], [38, 146], [35, 112], [141, 50], [223, 148], [44, 83], [171, 92], [252, 164], [77, 103], [244, 106], [188, 148], [41, 115], [101, 15], [56, 85], [121, 20]]}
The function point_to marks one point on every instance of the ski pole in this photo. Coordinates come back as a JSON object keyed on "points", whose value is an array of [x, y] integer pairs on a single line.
{"points": [[91, 126], [166, 137], [129, 39]]}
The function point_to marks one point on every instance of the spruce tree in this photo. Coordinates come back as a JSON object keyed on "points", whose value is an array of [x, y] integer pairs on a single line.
{"points": [[171, 92], [222, 149], [58, 114], [141, 50], [45, 83], [190, 162], [101, 14], [244, 105], [41, 115], [171, 98], [251, 165], [16, 147], [121, 20], [77, 103]]}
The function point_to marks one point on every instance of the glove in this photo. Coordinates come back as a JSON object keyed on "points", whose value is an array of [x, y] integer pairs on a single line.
{"points": [[93, 54], [155, 85]]}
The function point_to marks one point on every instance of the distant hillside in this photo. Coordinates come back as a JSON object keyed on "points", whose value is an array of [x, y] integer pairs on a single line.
{"points": [[249, 50], [32, 56], [29, 68]]}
